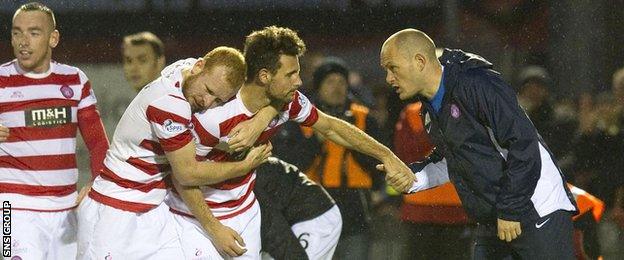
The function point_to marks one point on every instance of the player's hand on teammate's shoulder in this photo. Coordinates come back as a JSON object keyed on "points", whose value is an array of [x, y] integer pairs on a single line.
{"points": [[4, 133], [258, 155], [398, 175], [227, 240]]}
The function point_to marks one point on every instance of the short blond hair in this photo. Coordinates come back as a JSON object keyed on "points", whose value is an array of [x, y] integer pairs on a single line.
{"points": [[36, 6], [230, 58]]}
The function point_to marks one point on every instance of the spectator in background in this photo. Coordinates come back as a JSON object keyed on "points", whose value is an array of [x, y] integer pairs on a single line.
{"points": [[45, 103], [611, 229], [534, 97], [143, 58], [348, 176], [358, 92], [599, 146], [617, 88]]}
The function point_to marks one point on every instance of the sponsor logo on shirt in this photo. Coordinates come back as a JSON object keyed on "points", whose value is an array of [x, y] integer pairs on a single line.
{"points": [[173, 127], [48, 117], [17, 94]]}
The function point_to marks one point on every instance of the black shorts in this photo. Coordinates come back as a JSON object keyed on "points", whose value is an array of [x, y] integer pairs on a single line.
{"points": [[550, 237]]}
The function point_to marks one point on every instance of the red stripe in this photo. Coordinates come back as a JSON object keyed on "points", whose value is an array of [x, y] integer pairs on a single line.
{"points": [[90, 107], [39, 163], [176, 142], [36, 103], [217, 156], [178, 97], [234, 214], [226, 126], [37, 190], [233, 183], [231, 215], [52, 79], [120, 204], [205, 138], [86, 90], [295, 108], [128, 184], [222, 156], [232, 203], [152, 146], [159, 116], [19, 134], [266, 135], [149, 168], [312, 118]]}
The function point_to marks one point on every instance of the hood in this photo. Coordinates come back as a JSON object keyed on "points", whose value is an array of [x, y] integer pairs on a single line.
{"points": [[463, 60]]}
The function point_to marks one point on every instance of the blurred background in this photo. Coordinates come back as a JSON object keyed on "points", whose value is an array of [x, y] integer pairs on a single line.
{"points": [[561, 57]]}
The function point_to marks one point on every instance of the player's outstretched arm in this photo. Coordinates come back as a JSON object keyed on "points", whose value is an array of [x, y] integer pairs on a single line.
{"points": [[224, 238], [398, 175], [190, 172]]}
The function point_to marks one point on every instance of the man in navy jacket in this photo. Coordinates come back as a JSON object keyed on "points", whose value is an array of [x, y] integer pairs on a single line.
{"points": [[507, 179]]}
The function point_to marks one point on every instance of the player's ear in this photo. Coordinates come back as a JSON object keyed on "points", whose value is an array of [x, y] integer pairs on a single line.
{"points": [[55, 37], [420, 61], [265, 76], [198, 66]]}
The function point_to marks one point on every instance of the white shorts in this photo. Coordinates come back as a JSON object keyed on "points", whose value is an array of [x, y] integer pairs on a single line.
{"points": [[105, 232], [197, 245], [43, 235], [319, 236]]}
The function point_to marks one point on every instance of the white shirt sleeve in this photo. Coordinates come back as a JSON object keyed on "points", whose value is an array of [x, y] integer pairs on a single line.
{"points": [[433, 175]]}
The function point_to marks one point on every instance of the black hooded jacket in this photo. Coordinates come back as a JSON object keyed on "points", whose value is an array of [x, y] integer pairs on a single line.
{"points": [[494, 154]]}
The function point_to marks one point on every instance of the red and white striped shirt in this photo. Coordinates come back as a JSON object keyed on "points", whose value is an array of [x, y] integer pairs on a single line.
{"points": [[43, 112], [155, 122], [211, 127]]}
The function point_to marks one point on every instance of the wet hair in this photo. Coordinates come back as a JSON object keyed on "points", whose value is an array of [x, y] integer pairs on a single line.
{"points": [[36, 6], [149, 38], [230, 58], [264, 47]]}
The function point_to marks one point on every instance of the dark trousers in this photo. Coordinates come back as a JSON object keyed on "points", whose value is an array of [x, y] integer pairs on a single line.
{"points": [[549, 237], [431, 241]]}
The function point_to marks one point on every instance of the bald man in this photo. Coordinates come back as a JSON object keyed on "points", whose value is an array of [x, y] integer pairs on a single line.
{"points": [[506, 177]]}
